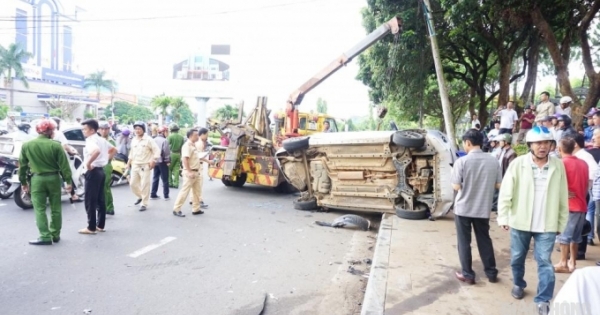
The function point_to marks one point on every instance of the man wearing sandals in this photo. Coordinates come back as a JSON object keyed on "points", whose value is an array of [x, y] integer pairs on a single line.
{"points": [[97, 153], [578, 184], [45, 160]]}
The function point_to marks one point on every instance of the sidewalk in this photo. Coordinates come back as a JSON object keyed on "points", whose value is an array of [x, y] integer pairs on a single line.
{"points": [[413, 272]]}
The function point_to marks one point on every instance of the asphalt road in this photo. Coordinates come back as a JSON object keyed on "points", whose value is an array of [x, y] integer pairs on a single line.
{"points": [[249, 244]]}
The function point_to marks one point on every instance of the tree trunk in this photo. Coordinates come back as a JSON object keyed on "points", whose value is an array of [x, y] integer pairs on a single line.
{"points": [[593, 95], [472, 94], [560, 65], [483, 113], [504, 78], [532, 67], [12, 95]]}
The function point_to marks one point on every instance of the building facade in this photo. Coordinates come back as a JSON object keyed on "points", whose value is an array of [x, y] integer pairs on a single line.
{"points": [[46, 29]]}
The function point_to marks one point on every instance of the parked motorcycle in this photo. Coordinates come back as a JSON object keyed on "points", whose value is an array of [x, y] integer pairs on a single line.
{"points": [[8, 165], [23, 200]]}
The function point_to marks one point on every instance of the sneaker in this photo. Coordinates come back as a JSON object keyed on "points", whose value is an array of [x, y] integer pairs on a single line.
{"points": [[154, 197], [178, 214], [517, 292], [543, 308], [203, 205], [143, 208], [137, 202], [167, 198]]}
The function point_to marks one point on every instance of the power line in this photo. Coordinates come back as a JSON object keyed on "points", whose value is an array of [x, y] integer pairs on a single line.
{"points": [[14, 18]]}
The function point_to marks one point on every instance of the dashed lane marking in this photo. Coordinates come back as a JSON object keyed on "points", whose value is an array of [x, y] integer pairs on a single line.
{"points": [[151, 247]]}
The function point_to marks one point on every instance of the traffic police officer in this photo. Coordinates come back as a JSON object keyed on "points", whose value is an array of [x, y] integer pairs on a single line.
{"points": [[45, 159], [142, 158], [175, 143], [108, 198]]}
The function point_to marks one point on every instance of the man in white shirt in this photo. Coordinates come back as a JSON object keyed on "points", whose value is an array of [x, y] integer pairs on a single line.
{"points": [[565, 106], [494, 132], [97, 153], [508, 118]]}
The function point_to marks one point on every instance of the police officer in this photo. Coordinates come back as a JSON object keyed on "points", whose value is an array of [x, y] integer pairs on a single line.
{"points": [[175, 143], [45, 159], [108, 198], [142, 158]]}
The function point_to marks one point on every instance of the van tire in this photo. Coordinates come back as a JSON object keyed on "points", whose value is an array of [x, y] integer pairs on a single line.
{"points": [[240, 180], [409, 139], [410, 214], [306, 205], [295, 144]]}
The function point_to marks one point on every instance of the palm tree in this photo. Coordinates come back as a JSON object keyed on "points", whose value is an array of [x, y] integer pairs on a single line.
{"points": [[161, 104], [10, 59], [97, 81], [177, 104], [226, 112]]}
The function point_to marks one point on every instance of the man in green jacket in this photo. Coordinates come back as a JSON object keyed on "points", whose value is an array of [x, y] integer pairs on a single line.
{"points": [[533, 203], [45, 159], [108, 198], [175, 141]]}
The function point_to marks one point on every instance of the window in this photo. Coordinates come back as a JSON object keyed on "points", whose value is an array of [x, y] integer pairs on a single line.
{"points": [[21, 31], [332, 124], [74, 135], [302, 124], [67, 48]]}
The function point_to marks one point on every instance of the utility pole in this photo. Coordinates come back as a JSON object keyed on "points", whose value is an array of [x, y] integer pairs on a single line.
{"points": [[448, 119]]}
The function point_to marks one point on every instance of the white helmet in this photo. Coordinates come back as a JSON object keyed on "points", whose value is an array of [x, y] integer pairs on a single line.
{"points": [[538, 134], [566, 100]]}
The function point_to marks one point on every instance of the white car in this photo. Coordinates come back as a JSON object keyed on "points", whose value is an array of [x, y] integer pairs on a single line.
{"points": [[406, 172]]}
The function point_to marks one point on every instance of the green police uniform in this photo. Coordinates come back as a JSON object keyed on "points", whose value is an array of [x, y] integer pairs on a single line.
{"points": [[108, 169], [175, 143], [45, 158]]}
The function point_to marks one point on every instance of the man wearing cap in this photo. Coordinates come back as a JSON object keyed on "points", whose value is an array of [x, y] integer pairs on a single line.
{"points": [[565, 106], [527, 119], [108, 169], [545, 108], [588, 133]]}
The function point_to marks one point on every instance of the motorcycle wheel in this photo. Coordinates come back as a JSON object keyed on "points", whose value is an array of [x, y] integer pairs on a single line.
{"points": [[4, 186], [23, 200], [115, 177]]}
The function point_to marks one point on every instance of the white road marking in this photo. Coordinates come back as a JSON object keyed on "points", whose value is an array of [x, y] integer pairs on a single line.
{"points": [[151, 247]]}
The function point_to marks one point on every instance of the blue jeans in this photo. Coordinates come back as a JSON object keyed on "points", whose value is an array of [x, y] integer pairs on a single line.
{"points": [[543, 244], [590, 217]]}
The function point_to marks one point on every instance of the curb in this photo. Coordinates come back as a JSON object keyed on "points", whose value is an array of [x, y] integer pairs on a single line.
{"points": [[374, 300]]}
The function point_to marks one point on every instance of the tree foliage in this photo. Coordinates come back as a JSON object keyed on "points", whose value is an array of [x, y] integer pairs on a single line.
{"points": [[128, 113], [4, 109], [321, 106], [226, 112]]}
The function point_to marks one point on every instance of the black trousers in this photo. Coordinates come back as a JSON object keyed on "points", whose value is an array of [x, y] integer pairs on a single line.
{"points": [[484, 245], [94, 198], [505, 130], [161, 171]]}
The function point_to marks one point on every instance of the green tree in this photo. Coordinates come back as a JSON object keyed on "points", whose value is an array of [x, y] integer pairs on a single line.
{"points": [[11, 59], [178, 108], [56, 112], [4, 109], [185, 116], [98, 81], [161, 104], [226, 112], [321, 106], [18, 108]]}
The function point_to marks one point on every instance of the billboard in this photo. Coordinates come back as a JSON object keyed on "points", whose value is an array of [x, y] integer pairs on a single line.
{"points": [[62, 77], [209, 65]]}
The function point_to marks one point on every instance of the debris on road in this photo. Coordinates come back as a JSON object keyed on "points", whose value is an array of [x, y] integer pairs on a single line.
{"points": [[348, 220], [354, 271], [354, 262], [87, 311], [367, 261]]}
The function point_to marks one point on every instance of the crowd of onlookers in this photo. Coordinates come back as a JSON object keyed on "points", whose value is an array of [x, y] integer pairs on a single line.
{"points": [[548, 195]]}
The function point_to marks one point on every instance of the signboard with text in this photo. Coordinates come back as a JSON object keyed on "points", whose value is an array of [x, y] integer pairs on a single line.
{"points": [[62, 77]]}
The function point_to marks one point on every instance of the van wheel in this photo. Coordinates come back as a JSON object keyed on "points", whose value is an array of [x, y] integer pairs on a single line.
{"points": [[306, 205], [295, 144], [226, 182], [408, 138], [420, 214]]}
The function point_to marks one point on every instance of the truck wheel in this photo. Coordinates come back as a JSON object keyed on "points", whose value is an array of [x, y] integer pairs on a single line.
{"points": [[226, 182], [306, 205], [240, 180], [295, 144], [24, 202], [409, 139], [420, 214]]}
